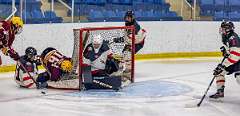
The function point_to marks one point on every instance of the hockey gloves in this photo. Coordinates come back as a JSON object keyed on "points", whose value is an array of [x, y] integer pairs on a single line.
{"points": [[13, 54], [219, 69], [224, 51], [10, 52]]}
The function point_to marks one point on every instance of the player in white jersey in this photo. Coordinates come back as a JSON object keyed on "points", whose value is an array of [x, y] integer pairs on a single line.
{"points": [[231, 62], [98, 56], [140, 33], [26, 72]]}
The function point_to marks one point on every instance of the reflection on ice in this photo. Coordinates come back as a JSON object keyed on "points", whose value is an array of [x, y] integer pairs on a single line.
{"points": [[151, 88]]}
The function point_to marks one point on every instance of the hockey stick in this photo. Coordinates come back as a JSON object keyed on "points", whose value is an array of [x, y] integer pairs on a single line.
{"points": [[24, 68], [210, 84]]}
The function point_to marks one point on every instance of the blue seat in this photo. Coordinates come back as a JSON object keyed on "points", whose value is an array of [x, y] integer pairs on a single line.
{"points": [[9, 1], [220, 15], [149, 1], [138, 14], [207, 2], [207, 5], [115, 1], [221, 4], [159, 1], [234, 2], [96, 16], [126, 2], [77, 1], [111, 16], [234, 5], [96, 2], [170, 16], [120, 13], [150, 16], [137, 1], [37, 14], [52, 17], [234, 16], [37, 17], [26, 15]]}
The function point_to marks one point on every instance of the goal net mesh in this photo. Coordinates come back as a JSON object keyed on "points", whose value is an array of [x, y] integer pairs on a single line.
{"points": [[121, 43]]}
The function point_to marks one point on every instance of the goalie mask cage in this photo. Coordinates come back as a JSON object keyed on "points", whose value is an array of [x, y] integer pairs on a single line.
{"points": [[121, 43]]}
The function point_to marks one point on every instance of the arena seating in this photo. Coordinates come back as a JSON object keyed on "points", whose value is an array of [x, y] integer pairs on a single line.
{"points": [[96, 10], [32, 13], [221, 9], [113, 10]]}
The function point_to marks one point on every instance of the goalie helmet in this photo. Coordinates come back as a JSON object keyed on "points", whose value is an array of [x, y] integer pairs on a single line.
{"points": [[66, 65], [30, 52], [97, 41]]}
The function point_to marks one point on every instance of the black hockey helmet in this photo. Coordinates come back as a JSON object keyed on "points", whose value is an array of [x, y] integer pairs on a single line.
{"points": [[30, 52], [129, 13], [129, 21], [46, 51], [226, 27]]}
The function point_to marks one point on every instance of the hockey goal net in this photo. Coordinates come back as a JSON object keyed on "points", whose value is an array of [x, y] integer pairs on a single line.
{"points": [[121, 43]]}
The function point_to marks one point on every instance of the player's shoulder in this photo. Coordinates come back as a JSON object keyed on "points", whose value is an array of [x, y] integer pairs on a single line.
{"points": [[23, 59], [5, 25]]}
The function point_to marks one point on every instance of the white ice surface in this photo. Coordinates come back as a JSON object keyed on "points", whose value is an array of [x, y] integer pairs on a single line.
{"points": [[162, 88]]}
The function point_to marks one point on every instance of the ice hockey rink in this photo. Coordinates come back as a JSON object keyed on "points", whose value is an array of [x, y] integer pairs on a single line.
{"points": [[162, 88]]}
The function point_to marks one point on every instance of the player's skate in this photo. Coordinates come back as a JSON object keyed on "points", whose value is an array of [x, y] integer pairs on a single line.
{"points": [[219, 94]]}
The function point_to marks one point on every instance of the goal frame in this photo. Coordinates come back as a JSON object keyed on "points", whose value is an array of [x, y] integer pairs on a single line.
{"points": [[104, 28]]}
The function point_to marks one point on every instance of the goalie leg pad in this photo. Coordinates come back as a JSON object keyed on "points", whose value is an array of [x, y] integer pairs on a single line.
{"points": [[113, 82], [87, 75]]}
